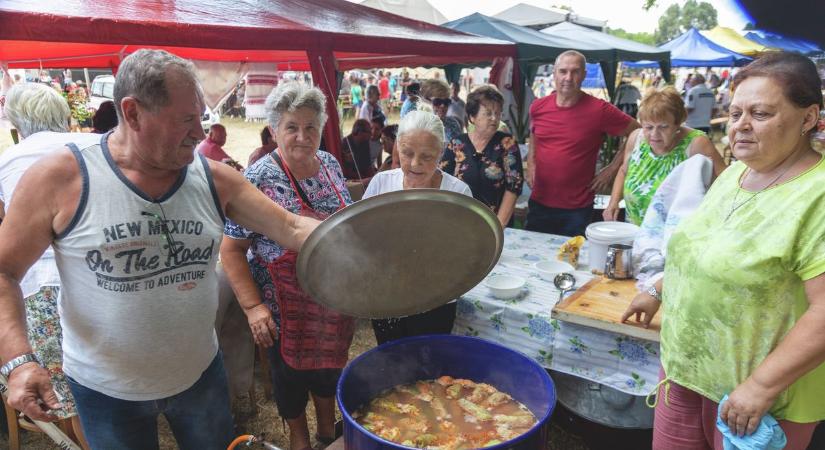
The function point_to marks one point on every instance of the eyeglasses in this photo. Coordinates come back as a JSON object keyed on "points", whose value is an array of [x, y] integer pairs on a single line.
{"points": [[489, 114], [650, 128], [166, 236], [441, 102]]}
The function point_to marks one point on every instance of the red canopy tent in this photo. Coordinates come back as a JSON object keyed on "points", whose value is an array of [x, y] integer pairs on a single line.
{"points": [[323, 36]]}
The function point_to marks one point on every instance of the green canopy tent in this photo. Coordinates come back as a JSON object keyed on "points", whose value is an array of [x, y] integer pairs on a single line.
{"points": [[535, 49]]}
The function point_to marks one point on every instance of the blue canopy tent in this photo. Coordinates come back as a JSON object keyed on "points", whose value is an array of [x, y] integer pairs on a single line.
{"points": [[691, 49], [594, 78], [784, 43]]}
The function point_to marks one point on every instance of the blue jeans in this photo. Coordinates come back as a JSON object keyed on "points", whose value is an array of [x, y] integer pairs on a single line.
{"points": [[565, 222], [200, 417]]}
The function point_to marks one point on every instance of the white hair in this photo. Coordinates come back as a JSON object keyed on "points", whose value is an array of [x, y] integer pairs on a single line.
{"points": [[289, 97], [35, 107], [422, 121]]}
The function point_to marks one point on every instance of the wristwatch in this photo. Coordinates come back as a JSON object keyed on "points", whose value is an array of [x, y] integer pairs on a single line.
{"points": [[653, 292], [17, 362]]}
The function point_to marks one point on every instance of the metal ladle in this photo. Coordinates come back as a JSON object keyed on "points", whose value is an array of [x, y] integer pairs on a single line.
{"points": [[564, 282]]}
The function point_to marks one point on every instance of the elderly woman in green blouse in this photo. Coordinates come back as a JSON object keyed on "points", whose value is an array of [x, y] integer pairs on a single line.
{"points": [[654, 150], [744, 284]]}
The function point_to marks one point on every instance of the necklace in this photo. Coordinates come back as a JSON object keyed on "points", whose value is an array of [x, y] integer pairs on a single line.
{"points": [[734, 206]]}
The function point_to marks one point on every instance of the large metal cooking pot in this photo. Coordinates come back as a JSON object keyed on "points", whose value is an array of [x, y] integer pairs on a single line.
{"points": [[429, 357], [400, 253], [602, 404]]}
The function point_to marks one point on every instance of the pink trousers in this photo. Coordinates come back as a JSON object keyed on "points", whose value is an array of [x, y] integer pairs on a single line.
{"points": [[687, 421]]}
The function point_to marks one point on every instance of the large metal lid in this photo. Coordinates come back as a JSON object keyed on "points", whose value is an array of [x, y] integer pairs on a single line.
{"points": [[400, 253]]}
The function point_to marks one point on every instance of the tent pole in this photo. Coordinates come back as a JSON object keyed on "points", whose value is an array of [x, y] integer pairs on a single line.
{"points": [[323, 69]]}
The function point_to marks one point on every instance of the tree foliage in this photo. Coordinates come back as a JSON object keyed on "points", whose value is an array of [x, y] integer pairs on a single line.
{"points": [[676, 20], [643, 37]]}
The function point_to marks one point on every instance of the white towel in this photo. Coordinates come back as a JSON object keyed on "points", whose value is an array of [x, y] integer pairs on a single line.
{"points": [[677, 197]]}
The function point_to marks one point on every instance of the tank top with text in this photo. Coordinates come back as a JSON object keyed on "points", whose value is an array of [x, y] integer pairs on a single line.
{"points": [[138, 314]]}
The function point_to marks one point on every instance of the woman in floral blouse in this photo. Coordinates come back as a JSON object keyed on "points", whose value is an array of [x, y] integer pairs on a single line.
{"points": [[486, 159]]}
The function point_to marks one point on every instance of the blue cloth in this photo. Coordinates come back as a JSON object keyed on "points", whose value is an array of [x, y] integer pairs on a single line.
{"points": [[408, 106], [768, 436]]}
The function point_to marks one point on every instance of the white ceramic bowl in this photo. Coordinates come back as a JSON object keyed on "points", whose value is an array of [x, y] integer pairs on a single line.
{"points": [[553, 267], [505, 286]]}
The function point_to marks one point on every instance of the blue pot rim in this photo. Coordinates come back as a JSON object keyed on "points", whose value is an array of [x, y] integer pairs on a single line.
{"points": [[548, 382]]}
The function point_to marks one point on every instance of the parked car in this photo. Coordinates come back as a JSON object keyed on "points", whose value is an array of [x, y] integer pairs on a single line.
{"points": [[103, 87], [102, 90]]}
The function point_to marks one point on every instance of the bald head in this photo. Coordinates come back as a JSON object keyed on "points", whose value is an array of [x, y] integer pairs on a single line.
{"points": [[568, 74], [217, 134]]}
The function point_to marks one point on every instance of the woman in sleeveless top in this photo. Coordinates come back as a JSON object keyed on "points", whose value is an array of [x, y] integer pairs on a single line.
{"points": [[653, 151]]}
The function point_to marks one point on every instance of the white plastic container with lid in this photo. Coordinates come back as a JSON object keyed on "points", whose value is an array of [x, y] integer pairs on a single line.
{"points": [[601, 234]]}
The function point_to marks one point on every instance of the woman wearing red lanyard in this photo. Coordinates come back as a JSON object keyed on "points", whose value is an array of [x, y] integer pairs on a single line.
{"points": [[307, 342]]}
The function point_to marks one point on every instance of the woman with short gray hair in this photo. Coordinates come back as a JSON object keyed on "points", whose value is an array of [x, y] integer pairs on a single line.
{"points": [[307, 181], [420, 144]]}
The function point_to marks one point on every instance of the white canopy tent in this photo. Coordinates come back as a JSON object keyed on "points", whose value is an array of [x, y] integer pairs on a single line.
{"points": [[412, 9], [537, 18]]}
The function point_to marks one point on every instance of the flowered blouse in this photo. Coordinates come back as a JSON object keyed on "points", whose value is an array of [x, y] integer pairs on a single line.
{"points": [[489, 172], [272, 181], [452, 128]]}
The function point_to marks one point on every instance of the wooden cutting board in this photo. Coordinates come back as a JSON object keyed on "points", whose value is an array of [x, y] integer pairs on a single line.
{"points": [[600, 304]]}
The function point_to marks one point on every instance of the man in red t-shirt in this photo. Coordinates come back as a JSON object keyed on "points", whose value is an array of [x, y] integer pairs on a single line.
{"points": [[567, 131]]}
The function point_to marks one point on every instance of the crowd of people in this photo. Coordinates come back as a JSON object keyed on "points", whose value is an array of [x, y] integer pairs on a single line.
{"points": [[128, 226]]}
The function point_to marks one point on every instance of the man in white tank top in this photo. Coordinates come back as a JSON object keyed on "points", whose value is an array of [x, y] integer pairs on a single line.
{"points": [[135, 222]]}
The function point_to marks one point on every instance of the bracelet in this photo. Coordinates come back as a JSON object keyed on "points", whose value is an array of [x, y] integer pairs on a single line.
{"points": [[653, 292], [17, 362]]}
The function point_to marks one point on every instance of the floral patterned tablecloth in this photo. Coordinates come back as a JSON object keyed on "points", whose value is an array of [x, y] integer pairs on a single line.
{"points": [[628, 364]]}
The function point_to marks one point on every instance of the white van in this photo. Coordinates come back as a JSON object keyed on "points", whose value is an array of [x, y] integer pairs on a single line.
{"points": [[103, 87]]}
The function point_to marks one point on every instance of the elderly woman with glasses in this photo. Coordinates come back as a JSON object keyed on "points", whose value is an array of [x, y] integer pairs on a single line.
{"points": [[487, 159], [308, 343], [420, 147], [654, 151]]}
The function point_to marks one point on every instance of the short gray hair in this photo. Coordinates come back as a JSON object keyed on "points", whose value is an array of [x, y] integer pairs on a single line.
{"points": [[142, 75], [422, 121], [289, 97], [575, 53], [35, 107]]}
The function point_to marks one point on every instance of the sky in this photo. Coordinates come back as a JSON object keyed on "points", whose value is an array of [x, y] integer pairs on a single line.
{"points": [[627, 14]]}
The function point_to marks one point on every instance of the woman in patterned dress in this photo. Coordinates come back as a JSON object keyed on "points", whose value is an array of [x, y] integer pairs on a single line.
{"points": [[307, 342]]}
